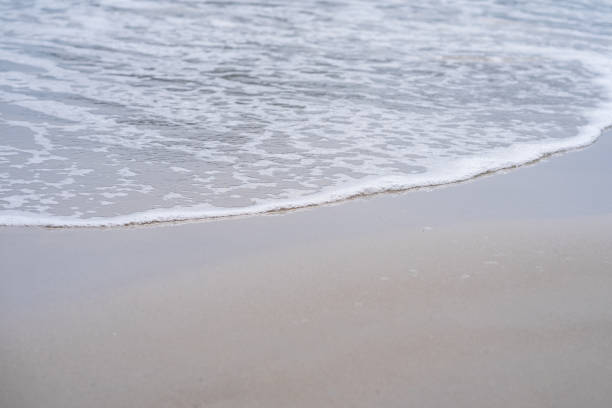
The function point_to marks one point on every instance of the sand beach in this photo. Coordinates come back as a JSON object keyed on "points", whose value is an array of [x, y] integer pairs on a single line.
{"points": [[492, 292]]}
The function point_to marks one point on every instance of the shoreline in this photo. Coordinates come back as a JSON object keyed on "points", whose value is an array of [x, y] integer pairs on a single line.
{"points": [[339, 196]]}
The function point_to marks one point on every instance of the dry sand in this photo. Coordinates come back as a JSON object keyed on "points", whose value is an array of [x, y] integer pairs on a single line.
{"points": [[496, 292]]}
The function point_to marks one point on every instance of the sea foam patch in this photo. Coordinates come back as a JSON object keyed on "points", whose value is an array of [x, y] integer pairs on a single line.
{"points": [[162, 111]]}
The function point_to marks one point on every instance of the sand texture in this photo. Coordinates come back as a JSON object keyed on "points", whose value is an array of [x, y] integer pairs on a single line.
{"points": [[496, 292]]}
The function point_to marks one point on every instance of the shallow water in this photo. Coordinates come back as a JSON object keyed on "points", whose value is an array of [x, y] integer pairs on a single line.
{"points": [[114, 112]]}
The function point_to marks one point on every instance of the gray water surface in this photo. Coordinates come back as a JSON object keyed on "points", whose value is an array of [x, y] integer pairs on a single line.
{"points": [[130, 111]]}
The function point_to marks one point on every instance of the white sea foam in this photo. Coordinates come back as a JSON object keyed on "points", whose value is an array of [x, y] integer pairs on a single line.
{"points": [[111, 115], [461, 170]]}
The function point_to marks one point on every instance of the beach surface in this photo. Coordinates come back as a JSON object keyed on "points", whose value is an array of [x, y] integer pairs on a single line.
{"points": [[493, 292]]}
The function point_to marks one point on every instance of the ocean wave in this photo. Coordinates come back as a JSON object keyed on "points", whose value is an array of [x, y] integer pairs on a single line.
{"points": [[111, 115]]}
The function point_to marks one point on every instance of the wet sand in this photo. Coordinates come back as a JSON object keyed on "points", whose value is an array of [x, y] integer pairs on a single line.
{"points": [[495, 292]]}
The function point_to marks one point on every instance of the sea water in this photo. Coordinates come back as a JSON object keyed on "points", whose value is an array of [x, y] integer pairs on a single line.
{"points": [[126, 111]]}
